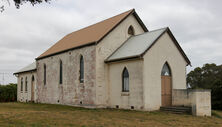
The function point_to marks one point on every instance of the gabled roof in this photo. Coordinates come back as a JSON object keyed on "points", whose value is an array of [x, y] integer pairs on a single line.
{"points": [[137, 46], [89, 35], [30, 67]]}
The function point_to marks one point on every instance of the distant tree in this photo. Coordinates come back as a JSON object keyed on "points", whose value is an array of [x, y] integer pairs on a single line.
{"points": [[8, 93], [208, 77], [18, 3]]}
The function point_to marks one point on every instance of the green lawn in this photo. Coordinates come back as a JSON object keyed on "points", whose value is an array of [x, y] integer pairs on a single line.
{"points": [[36, 115]]}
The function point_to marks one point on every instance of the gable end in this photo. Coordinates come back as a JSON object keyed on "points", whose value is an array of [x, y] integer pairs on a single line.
{"points": [[175, 42]]}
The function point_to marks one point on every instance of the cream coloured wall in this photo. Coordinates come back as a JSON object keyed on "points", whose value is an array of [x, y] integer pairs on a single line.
{"points": [[104, 49], [164, 50], [25, 96], [135, 95], [198, 99]]}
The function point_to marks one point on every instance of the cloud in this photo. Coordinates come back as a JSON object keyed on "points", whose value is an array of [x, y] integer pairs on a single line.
{"points": [[27, 32]]}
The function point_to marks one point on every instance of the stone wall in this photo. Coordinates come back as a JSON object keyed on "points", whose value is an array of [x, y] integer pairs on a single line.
{"points": [[25, 96], [71, 91]]}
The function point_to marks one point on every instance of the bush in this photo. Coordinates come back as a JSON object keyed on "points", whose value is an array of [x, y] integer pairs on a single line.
{"points": [[8, 93]]}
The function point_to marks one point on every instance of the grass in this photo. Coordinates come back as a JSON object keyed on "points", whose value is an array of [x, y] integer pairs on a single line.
{"points": [[38, 115]]}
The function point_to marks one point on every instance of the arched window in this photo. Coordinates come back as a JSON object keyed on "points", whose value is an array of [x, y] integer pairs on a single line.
{"points": [[33, 78], [81, 77], [125, 80], [131, 31], [44, 80], [21, 84], [166, 70], [60, 72], [26, 84]]}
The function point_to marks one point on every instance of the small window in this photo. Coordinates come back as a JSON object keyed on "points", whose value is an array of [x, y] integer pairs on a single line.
{"points": [[21, 84], [81, 77], [166, 70], [125, 80], [60, 72], [33, 78], [131, 30], [26, 84], [44, 75]]}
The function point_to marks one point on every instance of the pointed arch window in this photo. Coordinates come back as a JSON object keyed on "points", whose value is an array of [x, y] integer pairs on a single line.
{"points": [[166, 70], [26, 84], [81, 77], [21, 84], [125, 80], [131, 31], [60, 72], [33, 78], [44, 79]]}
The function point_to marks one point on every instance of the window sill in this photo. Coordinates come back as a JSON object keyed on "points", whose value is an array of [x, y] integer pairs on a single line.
{"points": [[125, 94], [60, 86]]}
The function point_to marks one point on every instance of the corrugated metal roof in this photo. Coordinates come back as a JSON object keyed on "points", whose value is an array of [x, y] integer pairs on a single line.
{"points": [[87, 35], [136, 45], [30, 67]]}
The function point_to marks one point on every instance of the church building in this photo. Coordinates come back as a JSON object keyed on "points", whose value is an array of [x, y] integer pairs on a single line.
{"points": [[115, 63]]}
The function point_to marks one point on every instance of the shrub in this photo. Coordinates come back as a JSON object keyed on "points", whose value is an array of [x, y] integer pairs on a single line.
{"points": [[8, 93]]}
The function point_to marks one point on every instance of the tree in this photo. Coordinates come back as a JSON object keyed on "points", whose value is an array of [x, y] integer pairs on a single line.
{"points": [[18, 3], [208, 77], [8, 93]]}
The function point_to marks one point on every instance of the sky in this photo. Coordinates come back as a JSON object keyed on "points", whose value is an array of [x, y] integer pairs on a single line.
{"points": [[27, 32]]}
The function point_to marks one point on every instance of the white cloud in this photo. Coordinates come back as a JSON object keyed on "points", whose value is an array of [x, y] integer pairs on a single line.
{"points": [[27, 32]]}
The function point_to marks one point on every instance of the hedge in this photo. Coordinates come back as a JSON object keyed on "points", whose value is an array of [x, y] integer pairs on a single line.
{"points": [[8, 93]]}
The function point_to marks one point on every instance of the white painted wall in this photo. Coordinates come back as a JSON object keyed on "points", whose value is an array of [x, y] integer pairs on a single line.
{"points": [[135, 95], [104, 49], [163, 50], [198, 99]]}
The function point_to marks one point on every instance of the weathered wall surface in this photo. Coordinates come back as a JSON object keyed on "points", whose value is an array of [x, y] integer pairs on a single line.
{"points": [[104, 49], [22, 95], [199, 100], [181, 97], [71, 91], [202, 103], [135, 95], [164, 50]]}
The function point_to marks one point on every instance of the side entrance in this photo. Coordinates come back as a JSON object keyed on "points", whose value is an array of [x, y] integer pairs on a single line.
{"points": [[166, 86]]}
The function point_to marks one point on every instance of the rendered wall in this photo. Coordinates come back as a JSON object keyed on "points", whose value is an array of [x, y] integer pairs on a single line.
{"points": [[202, 103], [181, 97], [199, 100], [25, 96], [164, 50], [71, 91], [104, 49], [135, 95]]}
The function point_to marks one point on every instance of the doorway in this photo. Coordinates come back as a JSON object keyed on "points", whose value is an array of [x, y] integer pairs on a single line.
{"points": [[166, 86]]}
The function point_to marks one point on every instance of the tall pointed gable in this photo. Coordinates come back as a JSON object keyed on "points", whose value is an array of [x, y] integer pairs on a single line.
{"points": [[89, 35]]}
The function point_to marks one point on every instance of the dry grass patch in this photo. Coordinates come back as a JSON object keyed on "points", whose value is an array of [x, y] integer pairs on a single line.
{"points": [[37, 115]]}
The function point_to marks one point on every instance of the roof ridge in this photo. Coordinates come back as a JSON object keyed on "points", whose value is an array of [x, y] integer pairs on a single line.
{"points": [[131, 10], [151, 31], [95, 33]]}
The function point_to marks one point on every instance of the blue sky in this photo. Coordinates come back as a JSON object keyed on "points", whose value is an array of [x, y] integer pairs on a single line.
{"points": [[27, 32]]}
